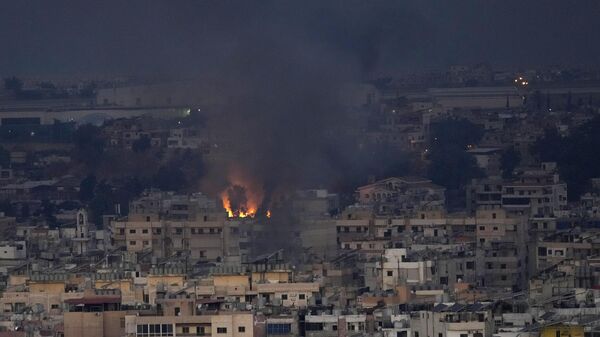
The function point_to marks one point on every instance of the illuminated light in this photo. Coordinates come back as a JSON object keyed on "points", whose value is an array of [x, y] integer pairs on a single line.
{"points": [[268, 213], [253, 191]]}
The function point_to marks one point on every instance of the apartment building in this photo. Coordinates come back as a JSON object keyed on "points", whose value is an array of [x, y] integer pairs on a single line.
{"points": [[166, 225]]}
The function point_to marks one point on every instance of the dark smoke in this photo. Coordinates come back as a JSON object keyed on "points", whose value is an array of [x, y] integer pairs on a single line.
{"points": [[237, 199]]}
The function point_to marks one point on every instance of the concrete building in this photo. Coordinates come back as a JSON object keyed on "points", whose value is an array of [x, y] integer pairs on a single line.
{"points": [[537, 192], [13, 250], [96, 314], [453, 320], [402, 195], [166, 224]]}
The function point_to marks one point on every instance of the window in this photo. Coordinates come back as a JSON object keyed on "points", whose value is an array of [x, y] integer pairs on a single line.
{"points": [[186, 330], [493, 215], [221, 330], [177, 311], [464, 335], [302, 296], [147, 219], [481, 228], [284, 297], [279, 329], [54, 306], [241, 329], [149, 330], [132, 243], [200, 331], [390, 273], [495, 228], [503, 277], [132, 231], [470, 264], [313, 326], [144, 231], [145, 243], [503, 266]]}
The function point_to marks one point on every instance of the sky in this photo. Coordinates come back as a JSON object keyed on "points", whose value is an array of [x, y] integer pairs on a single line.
{"points": [[193, 37]]}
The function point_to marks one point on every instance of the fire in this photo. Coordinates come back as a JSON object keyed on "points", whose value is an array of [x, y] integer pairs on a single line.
{"points": [[243, 196], [243, 209]]}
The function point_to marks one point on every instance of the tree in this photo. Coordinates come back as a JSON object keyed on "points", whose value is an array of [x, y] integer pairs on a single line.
{"points": [[88, 90], [141, 145], [86, 188], [450, 165], [47, 85], [102, 203], [129, 188], [48, 209], [575, 155], [538, 100], [89, 144], [7, 208], [13, 84], [508, 161], [25, 212], [458, 132], [4, 158]]}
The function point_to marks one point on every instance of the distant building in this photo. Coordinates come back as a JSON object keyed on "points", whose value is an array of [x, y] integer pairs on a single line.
{"points": [[402, 195]]}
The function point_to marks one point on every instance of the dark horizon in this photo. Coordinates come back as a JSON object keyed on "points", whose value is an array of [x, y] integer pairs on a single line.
{"points": [[191, 38]]}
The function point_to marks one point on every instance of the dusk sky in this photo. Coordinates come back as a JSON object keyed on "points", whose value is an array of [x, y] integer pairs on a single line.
{"points": [[188, 37]]}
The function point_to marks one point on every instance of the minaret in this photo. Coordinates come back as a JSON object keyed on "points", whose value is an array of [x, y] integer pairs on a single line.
{"points": [[82, 233]]}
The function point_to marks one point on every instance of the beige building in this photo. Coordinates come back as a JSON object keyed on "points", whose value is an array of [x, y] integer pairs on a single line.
{"points": [[402, 195], [238, 324], [166, 225]]}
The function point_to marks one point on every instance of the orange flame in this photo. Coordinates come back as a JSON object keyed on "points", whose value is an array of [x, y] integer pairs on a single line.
{"points": [[248, 211], [254, 196]]}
